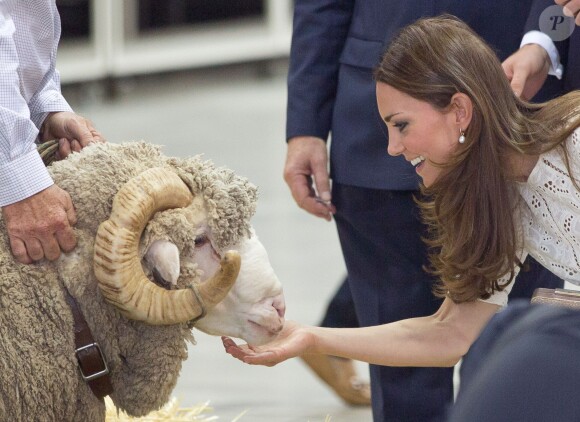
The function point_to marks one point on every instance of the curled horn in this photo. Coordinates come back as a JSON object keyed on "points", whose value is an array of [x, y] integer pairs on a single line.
{"points": [[116, 258]]}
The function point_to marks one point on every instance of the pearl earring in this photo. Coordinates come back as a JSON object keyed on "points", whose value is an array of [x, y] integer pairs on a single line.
{"points": [[461, 136]]}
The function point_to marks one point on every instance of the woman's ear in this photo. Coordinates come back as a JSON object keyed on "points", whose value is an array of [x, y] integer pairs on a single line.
{"points": [[462, 107]]}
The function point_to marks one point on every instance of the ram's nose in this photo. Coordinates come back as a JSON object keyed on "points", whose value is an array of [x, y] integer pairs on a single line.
{"points": [[279, 304], [269, 314]]}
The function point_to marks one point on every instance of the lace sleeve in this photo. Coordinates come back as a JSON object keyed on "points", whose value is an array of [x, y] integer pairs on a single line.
{"points": [[501, 298]]}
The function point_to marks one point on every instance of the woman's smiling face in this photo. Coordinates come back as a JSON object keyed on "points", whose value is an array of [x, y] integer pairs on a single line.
{"points": [[424, 135]]}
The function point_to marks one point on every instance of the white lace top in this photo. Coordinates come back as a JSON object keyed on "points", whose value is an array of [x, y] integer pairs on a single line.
{"points": [[551, 215]]}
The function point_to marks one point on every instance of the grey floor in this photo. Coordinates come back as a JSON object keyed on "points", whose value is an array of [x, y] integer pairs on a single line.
{"points": [[235, 116]]}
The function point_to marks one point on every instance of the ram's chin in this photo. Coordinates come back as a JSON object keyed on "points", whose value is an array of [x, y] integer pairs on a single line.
{"points": [[252, 333]]}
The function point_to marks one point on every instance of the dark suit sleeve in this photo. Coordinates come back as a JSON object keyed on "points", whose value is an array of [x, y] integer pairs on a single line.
{"points": [[538, 6], [319, 33]]}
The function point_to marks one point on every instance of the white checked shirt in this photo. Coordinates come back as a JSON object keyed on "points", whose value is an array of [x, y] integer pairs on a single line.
{"points": [[29, 90]]}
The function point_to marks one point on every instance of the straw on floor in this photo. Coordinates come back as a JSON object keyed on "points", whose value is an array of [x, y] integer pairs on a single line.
{"points": [[170, 412]]}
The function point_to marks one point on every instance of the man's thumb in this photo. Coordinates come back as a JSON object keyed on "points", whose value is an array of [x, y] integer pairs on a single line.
{"points": [[519, 82]]}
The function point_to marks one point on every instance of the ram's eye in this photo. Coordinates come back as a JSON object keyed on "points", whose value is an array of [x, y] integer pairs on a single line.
{"points": [[201, 240]]}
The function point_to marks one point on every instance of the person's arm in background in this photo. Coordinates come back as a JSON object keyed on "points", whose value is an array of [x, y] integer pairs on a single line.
{"points": [[319, 33], [538, 56], [38, 214]]}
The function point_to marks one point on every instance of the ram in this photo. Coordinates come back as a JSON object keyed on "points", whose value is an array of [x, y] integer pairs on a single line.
{"points": [[164, 245]]}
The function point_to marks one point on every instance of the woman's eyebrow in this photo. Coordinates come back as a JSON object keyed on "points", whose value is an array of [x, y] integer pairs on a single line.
{"points": [[390, 116]]}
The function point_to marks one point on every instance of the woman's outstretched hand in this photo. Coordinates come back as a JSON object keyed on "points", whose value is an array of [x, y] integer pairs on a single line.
{"points": [[292, 341]]}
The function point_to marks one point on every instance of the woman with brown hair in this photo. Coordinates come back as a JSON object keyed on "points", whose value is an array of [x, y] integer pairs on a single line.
{"points": [[500, 180]]}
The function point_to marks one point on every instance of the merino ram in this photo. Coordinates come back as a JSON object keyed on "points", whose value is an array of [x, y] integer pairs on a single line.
{"points": [[160, 241]]}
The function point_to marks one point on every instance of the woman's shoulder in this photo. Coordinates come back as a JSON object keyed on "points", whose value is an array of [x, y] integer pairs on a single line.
{"points": [[573, 143], [554, 163]]}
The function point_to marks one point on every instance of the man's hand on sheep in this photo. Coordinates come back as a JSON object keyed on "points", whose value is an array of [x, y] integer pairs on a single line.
{"points": [[72, 131], [306, 163], [40, 226], [294, 340]]}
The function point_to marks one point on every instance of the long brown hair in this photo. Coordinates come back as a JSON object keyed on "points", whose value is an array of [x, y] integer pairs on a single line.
{"points": [[470, 208]]}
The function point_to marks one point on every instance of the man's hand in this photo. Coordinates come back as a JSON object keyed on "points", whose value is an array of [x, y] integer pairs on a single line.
{"points": [[73, 132], [40, 226], [571, 8], [306, 174], [527, 70]]}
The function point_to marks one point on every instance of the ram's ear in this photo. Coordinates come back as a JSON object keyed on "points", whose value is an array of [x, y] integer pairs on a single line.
{"points": [[163, 258]]}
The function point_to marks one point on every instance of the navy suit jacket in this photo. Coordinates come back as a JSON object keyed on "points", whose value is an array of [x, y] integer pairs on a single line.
{"points": [[335, 46], [572, 62]]}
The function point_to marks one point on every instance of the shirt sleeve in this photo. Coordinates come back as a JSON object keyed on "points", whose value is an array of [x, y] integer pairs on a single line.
{"points": [[21, 171], [29, 90], [47, 97], [544, 41]]}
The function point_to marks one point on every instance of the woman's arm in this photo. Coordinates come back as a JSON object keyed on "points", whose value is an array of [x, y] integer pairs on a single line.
{"points": [[437, 340]]}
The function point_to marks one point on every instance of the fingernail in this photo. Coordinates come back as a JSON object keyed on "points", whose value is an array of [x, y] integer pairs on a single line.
{"points": [[567, 12], [325, 196], [322, 201]]}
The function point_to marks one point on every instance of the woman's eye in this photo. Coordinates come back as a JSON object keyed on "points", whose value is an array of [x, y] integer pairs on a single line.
{"points": [[400, 125], [200, 240]]}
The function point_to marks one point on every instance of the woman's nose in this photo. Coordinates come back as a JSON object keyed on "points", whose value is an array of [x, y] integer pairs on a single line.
{"points": [[395, 147]]}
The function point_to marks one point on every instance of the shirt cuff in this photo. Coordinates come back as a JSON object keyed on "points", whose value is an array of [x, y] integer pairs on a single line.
{"points": [[47, 102], [22, 178], [544, 41]]}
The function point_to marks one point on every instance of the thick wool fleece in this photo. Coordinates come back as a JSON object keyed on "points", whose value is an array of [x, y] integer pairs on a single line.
{"points": [[39, 378]]}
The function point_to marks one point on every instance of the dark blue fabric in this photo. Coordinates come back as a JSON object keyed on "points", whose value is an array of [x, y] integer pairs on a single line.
{"points": [[531, 278], [340, 311], [524, 367], [572, 63]]}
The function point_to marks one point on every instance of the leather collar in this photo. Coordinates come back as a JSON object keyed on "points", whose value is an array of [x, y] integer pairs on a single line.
{"points": [[91, 360]]}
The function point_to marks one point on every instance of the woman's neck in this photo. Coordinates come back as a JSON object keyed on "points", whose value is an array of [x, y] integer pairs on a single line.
{"points": [[522, 165]]}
